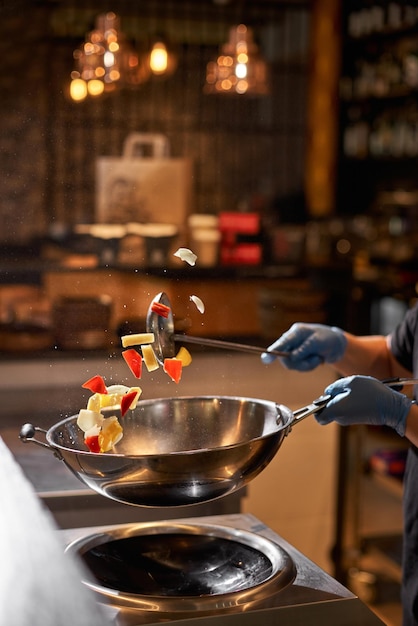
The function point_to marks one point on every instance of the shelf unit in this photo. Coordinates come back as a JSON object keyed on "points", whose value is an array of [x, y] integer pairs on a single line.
{"points": [[378, 151], [369, 512], [377, 177]]}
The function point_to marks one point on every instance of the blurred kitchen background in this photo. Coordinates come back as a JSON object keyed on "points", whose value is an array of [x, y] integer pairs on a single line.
{"points": [[295, 185]]}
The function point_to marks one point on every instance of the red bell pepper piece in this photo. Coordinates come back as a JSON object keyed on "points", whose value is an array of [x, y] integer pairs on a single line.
{"points": [[160, 309], [96, 384], [134, 361], [126, 401], [173, 367], [92, 442]]}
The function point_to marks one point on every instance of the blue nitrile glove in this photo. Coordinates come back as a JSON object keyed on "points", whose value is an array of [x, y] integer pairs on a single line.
{"points": [[365, 400], [309, 346]]}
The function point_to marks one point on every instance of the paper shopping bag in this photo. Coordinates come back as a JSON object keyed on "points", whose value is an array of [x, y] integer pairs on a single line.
{"points": [[149, 189]]}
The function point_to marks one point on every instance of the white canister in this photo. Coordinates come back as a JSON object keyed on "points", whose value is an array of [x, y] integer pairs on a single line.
{"points": [[204, 238], [205, 244]]}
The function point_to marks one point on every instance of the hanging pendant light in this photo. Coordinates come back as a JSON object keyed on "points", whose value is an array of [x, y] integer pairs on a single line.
{"points": [[239, 69], [105, 61]]}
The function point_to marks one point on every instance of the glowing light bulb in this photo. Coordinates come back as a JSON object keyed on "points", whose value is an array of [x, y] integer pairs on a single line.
{"points": [[78, 89], [108, 59], [241, 70], [158, 60], [95, 87]]}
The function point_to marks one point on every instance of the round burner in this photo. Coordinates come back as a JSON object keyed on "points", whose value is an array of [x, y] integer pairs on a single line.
{"points": [[175, 568], [177, 564]]}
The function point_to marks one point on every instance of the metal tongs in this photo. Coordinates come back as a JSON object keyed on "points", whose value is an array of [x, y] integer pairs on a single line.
{"points": [[165, 337]]}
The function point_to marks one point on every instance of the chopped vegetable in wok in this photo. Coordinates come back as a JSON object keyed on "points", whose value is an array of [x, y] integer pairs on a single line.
{"points": [[88, 419], [92, 442], [102, 433], [110, 434], [129, 400], [95, 402], [111, 399]]}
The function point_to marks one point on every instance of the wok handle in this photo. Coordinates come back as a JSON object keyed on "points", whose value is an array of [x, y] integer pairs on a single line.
{"points": [[27, 435], [398, 383], [315, 407]]}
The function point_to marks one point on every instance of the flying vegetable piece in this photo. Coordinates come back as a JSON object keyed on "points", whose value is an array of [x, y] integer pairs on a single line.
{"points": [[94, 402], [150, 360], [116, 393], [137, 339], [138, 393], [96, 384], [129, 401], [160, 309], [134, 361], [112, 398], [184, 356], [173, 367], [100, 433], [199, 303], [185, 254]]}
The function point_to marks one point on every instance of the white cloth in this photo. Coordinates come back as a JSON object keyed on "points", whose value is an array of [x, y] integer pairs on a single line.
{"points": [[40, 585]]}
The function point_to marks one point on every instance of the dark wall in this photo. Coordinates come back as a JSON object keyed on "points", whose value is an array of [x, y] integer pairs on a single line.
{"points": [[241, 147]]}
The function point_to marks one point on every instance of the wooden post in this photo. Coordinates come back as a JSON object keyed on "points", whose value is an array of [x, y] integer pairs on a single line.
{"points": [[322, 124]]}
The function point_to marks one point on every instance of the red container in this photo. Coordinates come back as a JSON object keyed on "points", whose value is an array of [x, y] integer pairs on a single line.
{"points": [[234, 227]]}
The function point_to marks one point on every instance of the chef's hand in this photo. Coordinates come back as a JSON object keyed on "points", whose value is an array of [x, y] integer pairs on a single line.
{"points": [[309, 346], [365, 400]]}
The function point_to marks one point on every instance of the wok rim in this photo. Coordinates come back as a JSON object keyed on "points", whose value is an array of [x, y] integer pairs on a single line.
{"points": [[286, 415]]}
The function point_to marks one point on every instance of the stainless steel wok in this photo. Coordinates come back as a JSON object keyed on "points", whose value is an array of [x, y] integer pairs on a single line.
{"points": [[178, 451]]}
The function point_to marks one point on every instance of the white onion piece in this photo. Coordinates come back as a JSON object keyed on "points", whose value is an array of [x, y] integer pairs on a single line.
{"points": [[199, 303], [89, 419], [186, 255], [117, 389], [94, 431]]}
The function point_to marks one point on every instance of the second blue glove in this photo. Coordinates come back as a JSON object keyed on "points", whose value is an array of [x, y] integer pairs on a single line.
{"points": [[365, 400]]}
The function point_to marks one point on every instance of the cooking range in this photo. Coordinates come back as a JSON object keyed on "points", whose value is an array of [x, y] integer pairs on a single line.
{"points": [[223, 569], [181, 451]]}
